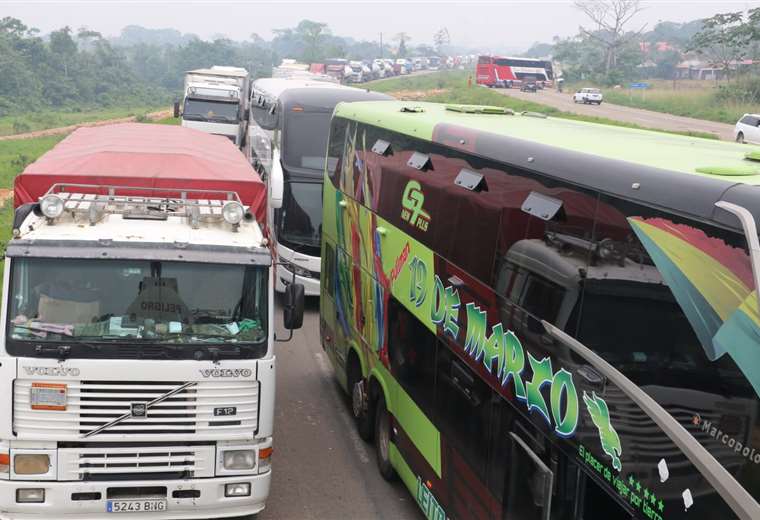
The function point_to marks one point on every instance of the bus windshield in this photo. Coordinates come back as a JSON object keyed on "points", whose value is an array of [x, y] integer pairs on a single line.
{"points": [[83, 300], [300, 222], [305, 140]]}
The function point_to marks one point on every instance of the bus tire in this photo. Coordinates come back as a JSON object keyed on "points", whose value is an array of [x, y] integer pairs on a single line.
{"points": [[383, 440], [363, 418], [740, 137]]}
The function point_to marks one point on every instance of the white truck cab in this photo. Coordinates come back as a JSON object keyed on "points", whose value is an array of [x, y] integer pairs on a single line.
{"points": [[137, 369], [215, 101]]}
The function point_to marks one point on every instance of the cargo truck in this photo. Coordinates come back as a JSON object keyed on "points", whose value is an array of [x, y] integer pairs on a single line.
{"points": [[215, 100], [137, 371]]}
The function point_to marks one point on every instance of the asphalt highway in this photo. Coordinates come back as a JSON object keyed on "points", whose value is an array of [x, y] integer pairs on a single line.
{"points": [[322, 469]]}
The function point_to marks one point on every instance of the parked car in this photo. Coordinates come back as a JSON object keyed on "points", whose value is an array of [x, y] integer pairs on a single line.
{"points": [[747, 129], [528, 87], [588, 95]]}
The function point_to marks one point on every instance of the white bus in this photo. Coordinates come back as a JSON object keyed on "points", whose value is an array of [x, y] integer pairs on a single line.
{"points": [[289, 124]]}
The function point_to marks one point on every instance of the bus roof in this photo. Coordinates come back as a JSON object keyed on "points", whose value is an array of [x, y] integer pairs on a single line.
{"points": [[325, 99], [274, 87], [638, 164]]}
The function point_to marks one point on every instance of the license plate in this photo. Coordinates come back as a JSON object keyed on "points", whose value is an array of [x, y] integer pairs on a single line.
{"points": [[136, 506]]}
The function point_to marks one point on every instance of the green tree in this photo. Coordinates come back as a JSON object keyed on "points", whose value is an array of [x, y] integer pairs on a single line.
{"points": [[401, 38], [611, 19], [313, 36]]}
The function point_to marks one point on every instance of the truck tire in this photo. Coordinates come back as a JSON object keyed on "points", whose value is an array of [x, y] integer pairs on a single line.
{"points": [[363, 418], [383, 440]]}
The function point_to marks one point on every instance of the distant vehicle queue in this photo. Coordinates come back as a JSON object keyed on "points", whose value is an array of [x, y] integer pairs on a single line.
{"points": [[342, 70]]}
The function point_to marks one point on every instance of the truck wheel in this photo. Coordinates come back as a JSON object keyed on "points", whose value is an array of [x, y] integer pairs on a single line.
{"points": [[740, 137], [358, 388], [383, 440]]}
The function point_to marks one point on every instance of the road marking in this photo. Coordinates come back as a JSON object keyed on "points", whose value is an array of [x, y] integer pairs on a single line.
{"points": [[348, 423]]}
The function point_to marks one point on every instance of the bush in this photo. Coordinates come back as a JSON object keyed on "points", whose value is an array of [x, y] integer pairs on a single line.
{"points": [[743, 90], [20, 127]]}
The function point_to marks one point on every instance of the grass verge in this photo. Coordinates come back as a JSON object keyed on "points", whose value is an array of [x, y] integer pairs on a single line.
{"points": [[31, 122], [451, 87], [699, 99]]}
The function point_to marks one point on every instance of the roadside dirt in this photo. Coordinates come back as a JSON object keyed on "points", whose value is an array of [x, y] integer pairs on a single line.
{"points": [[153, 116], [416, 95]]}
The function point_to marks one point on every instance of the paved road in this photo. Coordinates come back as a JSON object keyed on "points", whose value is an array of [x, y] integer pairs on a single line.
{"points": [[645, 118], [322, 469]]}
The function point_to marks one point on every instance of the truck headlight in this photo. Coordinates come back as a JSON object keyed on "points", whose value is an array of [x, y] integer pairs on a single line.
{"points": [[51, 206], [31, 464], [239, 459]]}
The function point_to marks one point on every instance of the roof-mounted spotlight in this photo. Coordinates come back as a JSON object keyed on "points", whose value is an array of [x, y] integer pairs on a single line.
{"points": [[51, 206], [233, 212]]}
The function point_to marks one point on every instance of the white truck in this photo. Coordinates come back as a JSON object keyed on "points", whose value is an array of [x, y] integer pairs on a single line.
{"points": [[137, 369], [215, 101]]}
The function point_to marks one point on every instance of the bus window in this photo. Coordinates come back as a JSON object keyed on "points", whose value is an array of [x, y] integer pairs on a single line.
{"points": [[460, 393], [338, 131], [542, 298], [411, 349], [673, 308]]}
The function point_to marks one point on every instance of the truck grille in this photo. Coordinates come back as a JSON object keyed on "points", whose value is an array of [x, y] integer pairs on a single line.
{"points": [[92, 404], [136, 462]]}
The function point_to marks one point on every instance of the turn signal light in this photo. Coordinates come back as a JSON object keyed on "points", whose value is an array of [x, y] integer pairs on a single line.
{"points": [[265, 459], [5, 462]]}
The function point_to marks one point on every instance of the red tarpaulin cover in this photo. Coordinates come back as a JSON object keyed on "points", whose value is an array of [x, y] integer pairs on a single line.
{"points": [[153, 156]]}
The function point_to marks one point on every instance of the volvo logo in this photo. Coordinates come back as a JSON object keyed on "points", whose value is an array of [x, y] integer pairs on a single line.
{"points": [[52, 371], [226, 372], [139, 410]]}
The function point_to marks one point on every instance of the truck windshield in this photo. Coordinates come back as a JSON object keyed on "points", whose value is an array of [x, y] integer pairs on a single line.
{"points": [[79, 300], [300, 219], [214, 111]]}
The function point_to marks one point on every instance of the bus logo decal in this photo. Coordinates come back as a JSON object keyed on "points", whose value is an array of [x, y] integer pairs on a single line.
{"points": [[600, 414], [412, 202]]}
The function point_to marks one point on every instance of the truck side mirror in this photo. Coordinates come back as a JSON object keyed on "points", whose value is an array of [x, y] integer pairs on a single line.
{"points": [[176, 109], [293, 308]]}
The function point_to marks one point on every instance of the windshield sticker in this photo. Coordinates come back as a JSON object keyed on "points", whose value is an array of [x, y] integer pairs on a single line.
{"points": [[412, 202]]}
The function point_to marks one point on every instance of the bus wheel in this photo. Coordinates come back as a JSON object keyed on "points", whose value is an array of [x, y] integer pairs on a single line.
{"points": [[359, 400], [740, 137], [383, 440]]}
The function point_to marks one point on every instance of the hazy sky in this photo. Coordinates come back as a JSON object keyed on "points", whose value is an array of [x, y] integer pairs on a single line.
{"points": [[506, 25]]}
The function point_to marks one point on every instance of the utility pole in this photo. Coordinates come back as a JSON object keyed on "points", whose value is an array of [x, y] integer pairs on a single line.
{"points": [[381, 46]]}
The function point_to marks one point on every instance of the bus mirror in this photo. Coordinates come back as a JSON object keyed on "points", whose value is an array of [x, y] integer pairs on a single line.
{"points": [[293, 308], [276, 182], [176, 109]]}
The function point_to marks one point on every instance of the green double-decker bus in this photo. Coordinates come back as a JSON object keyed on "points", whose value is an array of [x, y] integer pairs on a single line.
{"points": [[539, 318]]}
